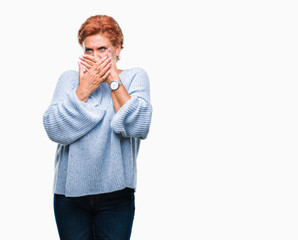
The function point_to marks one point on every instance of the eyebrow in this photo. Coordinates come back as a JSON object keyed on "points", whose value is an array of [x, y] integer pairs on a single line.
{"points": [[96, 48]]}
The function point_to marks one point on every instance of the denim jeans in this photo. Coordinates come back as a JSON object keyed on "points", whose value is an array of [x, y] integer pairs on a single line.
{"points": [[103, 216]]}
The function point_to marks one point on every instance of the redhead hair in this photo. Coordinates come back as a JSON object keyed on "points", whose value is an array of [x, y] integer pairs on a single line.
{"points": [[101, 24]]}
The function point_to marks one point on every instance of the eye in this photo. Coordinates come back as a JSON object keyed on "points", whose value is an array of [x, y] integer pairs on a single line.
{"points": [[88, 50], [102, 49]]}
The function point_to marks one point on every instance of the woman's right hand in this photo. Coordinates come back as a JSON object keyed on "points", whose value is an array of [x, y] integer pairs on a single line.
{"points": [[93, 77]]}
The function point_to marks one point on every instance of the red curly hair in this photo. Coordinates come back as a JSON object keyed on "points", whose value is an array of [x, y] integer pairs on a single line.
{"points": [[101, 24]]}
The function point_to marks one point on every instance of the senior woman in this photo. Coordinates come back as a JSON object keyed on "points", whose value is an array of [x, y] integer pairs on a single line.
{"points": [[98, 115]]}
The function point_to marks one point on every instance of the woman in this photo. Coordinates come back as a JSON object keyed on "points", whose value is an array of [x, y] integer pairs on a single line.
{"points": [[98, 116]]}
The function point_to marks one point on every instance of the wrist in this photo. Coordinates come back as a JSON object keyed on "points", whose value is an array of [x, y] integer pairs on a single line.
{"points": [[82, 95], [112, 77]]}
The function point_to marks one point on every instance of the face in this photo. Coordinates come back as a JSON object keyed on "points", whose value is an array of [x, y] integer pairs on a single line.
{"points": [[97, 45]]}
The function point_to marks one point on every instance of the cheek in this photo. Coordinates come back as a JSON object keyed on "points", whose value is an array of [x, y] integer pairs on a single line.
{"points": [[115, 53]]}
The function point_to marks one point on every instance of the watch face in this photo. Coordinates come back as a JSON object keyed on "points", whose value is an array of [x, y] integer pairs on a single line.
{"points": [[114, 85]]}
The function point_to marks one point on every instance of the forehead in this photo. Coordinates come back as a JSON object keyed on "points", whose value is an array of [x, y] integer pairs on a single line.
{"points": [[96, 40]]}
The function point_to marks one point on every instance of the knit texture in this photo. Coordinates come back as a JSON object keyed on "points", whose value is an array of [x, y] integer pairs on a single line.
{"points": [[97, 148]]}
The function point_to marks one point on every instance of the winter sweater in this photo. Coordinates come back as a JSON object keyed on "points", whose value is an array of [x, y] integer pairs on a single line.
{"points": [[97, 148]]}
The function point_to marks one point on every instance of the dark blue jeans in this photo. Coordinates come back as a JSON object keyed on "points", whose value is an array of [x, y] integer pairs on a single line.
{"points": [[103, 216]]}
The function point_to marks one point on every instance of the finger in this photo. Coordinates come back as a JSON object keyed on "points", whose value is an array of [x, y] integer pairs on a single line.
{"points": [[90, 58], [107, 61], [110, 55], [99, 62], [85, 64], [104, 77], [81, 70], [87, 61], [105, 69]]}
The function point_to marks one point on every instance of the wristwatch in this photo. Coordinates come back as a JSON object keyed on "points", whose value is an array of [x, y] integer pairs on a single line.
{"points": [[115, 85]]}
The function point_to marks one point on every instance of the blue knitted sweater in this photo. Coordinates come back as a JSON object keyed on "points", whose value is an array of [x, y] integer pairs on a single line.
{"points": [[97, 148]]}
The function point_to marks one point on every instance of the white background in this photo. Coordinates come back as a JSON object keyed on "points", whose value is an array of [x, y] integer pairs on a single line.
{"points": [[220, 161]]}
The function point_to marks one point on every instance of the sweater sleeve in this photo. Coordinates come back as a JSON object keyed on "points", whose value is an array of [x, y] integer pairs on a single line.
{"points": [[134, 118], [67, 118]]}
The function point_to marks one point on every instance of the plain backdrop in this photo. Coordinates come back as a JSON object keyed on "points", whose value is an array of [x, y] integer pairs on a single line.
{"points": [[220, 161]]}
